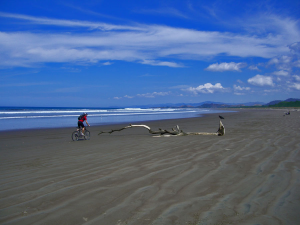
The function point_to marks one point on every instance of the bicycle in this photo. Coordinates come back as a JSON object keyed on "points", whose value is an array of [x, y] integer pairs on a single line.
{"points": [[76, 135]]}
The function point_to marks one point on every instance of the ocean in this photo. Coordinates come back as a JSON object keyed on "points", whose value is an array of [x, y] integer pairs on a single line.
{"points": [[17, 118]]}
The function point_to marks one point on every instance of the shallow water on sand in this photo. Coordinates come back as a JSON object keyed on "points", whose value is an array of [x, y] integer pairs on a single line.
{"points": [[15, 118]]}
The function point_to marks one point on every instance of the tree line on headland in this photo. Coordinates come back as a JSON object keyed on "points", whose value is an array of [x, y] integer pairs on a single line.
{"points": [[286, 104], [291, 102]]}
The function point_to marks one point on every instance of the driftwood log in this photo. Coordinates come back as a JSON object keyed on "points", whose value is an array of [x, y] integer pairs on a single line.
{"points": [[176, 131]]}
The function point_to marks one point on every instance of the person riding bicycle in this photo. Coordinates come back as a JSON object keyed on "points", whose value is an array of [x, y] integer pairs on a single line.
{"points": [[81, 119]]}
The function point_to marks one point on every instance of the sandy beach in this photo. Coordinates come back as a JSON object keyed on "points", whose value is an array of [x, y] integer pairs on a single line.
{"points": [[251, 175]]}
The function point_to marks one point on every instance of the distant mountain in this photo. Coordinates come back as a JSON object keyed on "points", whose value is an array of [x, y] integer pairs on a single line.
{"points": [[276, 102], [253, 104], [214, 105], [206, 104], [174, 105], [273, 102], [287, 104], [292, 99], [211, 104]]}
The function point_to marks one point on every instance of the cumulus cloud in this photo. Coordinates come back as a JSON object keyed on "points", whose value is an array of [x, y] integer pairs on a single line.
{"points": [[281, 73], [253, 68], [232, 66], [239, 88], [260, 80], [296, 77], [295, 86], [207, 88], [295, 48], [284, 62], [127, 96], [296, 63]]}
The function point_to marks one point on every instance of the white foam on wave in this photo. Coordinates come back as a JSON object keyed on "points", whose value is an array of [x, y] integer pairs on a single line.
{"points": [[32, 117], [149, 109], [50, 111], [100, 115], [86, 110], [141, 113]]}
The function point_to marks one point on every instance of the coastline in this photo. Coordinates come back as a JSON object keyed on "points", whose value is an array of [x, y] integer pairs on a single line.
{"points": [[107, 124], [249, 175], [58, 118]]}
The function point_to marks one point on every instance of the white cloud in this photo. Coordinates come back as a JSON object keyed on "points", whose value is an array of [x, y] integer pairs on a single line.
{"points": [[107, 63], [239, 88], [295, 47], [147, 95], [295, 86], [68, 23], [153, 95], [260, 80], [127, 96], [272, 90], [158, 63], [281, 73], [180, 87], [253, 68], [207, 88], [226, 67], [297, 78], [296, 63], [284, 62], [149, 44]]}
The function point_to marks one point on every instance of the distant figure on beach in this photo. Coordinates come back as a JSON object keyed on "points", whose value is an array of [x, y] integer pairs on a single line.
{"points": [[221, 117], [81, 119], [288, 113]]}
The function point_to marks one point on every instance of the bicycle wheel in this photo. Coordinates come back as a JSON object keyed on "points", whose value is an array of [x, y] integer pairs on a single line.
{"points": [[75, 136], [87, 135]]}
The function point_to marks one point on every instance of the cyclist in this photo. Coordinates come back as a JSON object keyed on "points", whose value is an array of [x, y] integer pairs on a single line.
{"points": [[81, 119]]}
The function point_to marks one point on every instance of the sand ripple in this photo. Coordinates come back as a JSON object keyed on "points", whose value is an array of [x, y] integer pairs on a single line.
{"points": [[249, 176]]}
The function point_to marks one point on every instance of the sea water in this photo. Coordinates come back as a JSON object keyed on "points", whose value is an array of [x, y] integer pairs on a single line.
{"points": [[16, 118]]}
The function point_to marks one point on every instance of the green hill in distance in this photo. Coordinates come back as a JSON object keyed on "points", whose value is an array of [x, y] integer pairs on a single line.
{"points": [[286, 104]]}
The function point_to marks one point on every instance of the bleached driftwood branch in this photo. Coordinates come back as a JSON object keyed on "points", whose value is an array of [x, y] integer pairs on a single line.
{"points": [[175, 131]]}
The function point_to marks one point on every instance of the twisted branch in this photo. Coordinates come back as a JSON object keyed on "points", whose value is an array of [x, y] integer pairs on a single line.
{"points": [[175, 131]]}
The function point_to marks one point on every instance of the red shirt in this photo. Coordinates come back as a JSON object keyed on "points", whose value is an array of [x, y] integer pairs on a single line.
{"points": [[83, 118]]}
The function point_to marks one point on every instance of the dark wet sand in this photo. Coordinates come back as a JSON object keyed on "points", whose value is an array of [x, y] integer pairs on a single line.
{"points": [[249, 176]]}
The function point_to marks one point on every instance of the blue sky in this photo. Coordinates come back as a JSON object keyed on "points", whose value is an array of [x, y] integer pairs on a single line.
{"points": [[120, 53]]}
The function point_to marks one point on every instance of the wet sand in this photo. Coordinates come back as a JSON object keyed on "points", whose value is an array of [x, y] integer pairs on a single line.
{"points": [[249, 176]]}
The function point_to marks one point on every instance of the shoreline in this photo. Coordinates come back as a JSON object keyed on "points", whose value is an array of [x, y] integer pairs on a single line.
{"points": [[114, 123], [248, 176]]}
